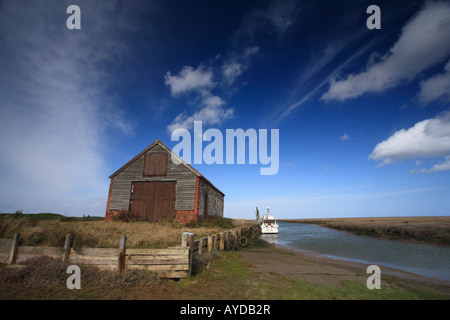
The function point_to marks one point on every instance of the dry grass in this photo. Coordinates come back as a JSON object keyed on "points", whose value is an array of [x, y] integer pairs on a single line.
{"points": [[35, 232], [45, 272], [434, 230]]}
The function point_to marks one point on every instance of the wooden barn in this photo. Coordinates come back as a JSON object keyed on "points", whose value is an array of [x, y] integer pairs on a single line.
{"points": [[152, 187]]}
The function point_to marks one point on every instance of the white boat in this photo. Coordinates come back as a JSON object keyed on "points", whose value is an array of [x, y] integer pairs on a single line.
{"points": [[268, 223]]}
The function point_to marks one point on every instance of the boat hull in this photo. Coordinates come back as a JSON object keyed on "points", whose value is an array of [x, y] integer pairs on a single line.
{"points": [[269, 231]]}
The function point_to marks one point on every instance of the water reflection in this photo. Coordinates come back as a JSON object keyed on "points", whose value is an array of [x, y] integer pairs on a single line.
{"points": [[271, 238], [428, 260]]}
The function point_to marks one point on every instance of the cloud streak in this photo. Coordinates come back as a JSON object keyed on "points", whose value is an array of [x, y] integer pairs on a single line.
{"points": [[436, 87], [55, 109], [422, 44]]}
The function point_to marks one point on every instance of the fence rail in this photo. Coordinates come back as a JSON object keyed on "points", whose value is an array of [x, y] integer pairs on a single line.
{"points": [[172, 262]]}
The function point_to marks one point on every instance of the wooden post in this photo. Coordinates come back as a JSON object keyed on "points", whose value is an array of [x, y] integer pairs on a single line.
{"points": [[210, 244], [227, 240], [214, 241], [235, 238], [221, 241], [122, 247], [184, 239], [200, 245], [190, 244], [187, 240], [14, 246], [67, 245]]}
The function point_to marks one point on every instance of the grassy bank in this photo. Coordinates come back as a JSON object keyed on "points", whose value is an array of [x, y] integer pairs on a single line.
{"points": [[221, 275], [50, 230], [234, 277], [230, 276], [433, 230]]}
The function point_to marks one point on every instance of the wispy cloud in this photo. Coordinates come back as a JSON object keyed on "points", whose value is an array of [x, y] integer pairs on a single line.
{"points": [[236, 64], [274, 18], [436, 87], [444, 166], [55, 107], [283, 112], [422, 44], [210, 108]]}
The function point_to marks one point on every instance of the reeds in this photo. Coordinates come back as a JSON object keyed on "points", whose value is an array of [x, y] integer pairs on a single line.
{"points": [[434, 230], [36, 232]]}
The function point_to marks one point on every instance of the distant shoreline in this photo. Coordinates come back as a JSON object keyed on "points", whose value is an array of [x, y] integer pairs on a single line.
{"points": [[430, 230]]}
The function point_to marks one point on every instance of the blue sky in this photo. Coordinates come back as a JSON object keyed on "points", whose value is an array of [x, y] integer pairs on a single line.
{"points": [[363, 115]]}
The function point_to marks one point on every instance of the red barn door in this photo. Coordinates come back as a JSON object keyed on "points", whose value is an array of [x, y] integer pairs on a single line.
{"points": [[153, 200]]}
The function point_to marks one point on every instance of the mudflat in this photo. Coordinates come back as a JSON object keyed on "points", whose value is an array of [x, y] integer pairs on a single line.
{"points": [[317, 269], [429, 229]]}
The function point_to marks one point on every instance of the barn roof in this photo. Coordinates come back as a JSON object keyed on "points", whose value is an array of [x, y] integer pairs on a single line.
{"points": [[162, 145]]}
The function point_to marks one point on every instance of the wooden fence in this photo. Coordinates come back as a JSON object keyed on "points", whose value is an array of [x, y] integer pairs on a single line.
{"points": [[172, 262]]}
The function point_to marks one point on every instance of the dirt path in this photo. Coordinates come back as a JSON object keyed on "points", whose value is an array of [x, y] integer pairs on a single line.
{"points": [[321, 270]]}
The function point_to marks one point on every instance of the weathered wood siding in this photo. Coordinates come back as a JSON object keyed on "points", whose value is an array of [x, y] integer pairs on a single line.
{"points": [[5, 248], [27, 252], [215, 200], [185, 190], [168, 263]]}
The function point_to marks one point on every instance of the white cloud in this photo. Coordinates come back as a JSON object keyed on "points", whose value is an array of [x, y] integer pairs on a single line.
{"points": [[231, 70], [276, 17], [236, 64], [444, 166], [211, 112], [436, 87], [211, 108], [54, 108], [422, 44], [344, 137], [189, 79], [199, 81], [427, 138]]}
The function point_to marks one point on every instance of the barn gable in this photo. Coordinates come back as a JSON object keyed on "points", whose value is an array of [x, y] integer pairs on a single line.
{"points": [[155, 187]]}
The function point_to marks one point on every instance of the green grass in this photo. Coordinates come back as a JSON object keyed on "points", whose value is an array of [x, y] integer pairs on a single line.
{"points": [[231, 277], [212, 222]]}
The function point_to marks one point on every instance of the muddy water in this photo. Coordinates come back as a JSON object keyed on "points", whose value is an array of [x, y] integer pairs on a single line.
{"points": [[423, 259]]}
